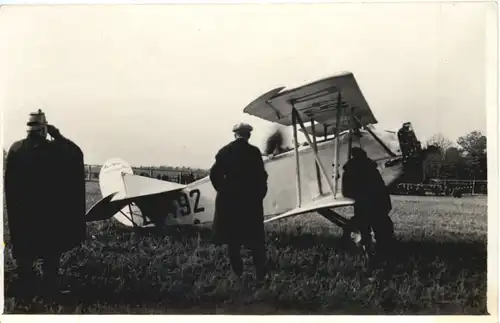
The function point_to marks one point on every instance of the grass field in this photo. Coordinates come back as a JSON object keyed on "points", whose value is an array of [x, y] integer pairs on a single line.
{"points": [[441, 268]]}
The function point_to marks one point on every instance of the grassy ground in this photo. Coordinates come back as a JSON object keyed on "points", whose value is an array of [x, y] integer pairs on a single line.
{"points": [[441, 268]]}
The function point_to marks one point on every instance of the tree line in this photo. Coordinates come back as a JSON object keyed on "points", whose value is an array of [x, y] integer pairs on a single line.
{"points": [[466, 159]]}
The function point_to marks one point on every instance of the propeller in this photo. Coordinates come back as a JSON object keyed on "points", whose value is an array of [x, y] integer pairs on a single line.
{"points": [[275, 143]]}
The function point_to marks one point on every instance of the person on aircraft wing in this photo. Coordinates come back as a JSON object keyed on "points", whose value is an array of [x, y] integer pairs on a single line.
{"points": [[363, 183], [45, 200], [240, 179], [408, 141]]}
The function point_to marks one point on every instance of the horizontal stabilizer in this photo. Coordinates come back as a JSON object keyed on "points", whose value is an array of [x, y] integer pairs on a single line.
{"points": [[325, 202], [105, 209], [138, 186], [122, 190]]}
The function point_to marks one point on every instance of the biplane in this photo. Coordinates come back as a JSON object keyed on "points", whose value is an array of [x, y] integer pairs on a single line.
{"points": [[333, 107]]}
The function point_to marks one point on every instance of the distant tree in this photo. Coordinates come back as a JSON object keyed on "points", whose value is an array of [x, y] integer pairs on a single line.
{"points": [[474, 150], [467, 161], [452, 163], [472, 144], [439, 141], [452, 154], [432, 162]]}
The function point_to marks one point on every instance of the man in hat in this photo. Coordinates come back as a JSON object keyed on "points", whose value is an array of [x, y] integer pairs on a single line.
{"points": [[240, 179], [408, 141], [363, 183], [45, 199], [411, 150]]}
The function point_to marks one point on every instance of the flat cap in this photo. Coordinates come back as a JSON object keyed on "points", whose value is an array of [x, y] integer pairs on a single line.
{"points": [[358, 152], [242, 128]]}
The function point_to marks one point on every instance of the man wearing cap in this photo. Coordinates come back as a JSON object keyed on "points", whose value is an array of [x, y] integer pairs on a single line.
{"points": [[240, 179], [363, 183], [45, 199]]}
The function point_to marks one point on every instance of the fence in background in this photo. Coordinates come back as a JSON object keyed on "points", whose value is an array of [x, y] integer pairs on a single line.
{"points": [[435, 186], [443, 187], [166, 174]]}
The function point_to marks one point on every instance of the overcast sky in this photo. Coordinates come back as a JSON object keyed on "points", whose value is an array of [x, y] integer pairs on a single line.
{"points": [[164, 84]]}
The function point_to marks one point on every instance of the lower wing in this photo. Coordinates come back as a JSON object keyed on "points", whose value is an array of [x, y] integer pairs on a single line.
{"points": [[321, 203]]}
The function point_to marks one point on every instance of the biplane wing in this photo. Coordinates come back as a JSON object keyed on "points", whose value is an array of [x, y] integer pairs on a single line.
{"points": [[319, 101], [326, 202], [332, 105]]}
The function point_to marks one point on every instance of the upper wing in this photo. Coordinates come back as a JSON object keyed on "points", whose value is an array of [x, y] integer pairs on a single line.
{"points": [[324, 202], [318, 101]]}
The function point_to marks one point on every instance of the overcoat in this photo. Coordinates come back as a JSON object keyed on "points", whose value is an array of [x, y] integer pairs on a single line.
{"points": [[240, 179], [45, 196], [362, 182]]}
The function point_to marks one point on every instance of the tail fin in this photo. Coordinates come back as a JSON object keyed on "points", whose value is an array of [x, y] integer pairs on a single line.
{"points": [[111, 177]]}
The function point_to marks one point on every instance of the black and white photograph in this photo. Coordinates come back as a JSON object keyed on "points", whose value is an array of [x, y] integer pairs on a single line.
{"points": [[250, 158]]}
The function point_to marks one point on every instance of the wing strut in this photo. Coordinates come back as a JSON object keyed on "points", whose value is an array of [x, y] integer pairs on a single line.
{"points": [[296, 117], [297, 161], [351, 132], [376, 138], [337, 144], [315, 148]]}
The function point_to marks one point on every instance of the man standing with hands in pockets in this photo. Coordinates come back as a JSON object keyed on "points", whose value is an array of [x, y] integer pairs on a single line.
{"points": [[240, 179]]}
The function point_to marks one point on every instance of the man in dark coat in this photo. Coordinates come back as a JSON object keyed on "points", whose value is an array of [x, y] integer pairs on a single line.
{"points": [[45, 199], [363, 183], [240, 179], [408, 141]]}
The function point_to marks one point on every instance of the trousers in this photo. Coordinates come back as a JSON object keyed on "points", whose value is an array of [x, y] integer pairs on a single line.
{"points": [[258, 255], [383, 229]]}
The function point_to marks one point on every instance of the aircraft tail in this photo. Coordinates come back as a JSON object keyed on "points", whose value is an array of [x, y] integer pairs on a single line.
{"points": [[121, 191], [116, 176]]}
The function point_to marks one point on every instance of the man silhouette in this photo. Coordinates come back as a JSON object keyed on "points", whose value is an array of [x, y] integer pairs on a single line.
{"points": [[45, 199], [240, 179], [363, 183]]}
